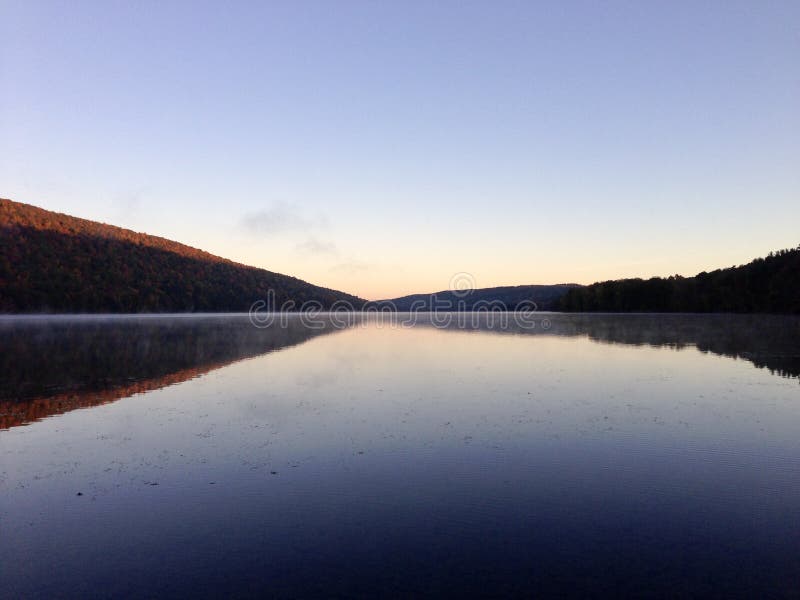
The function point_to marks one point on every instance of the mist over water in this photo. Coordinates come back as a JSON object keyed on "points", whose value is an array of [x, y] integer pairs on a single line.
{"points": [[640, 454]]}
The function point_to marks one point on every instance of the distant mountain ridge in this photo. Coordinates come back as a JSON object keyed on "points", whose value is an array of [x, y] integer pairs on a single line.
{"points": [[544, 297], [52, 262]]}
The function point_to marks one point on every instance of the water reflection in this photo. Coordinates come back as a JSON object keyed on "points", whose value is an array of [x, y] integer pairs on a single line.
{"points": [[52, 366], [602, 454], [768, 341]]}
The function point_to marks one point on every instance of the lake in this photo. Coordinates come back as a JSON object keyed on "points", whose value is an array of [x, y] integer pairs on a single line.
{"points": [[574, 455]]}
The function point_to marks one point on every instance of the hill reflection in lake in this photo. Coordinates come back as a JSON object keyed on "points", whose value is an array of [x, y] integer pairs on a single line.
{"points": [[53, 365], [768, 341]]}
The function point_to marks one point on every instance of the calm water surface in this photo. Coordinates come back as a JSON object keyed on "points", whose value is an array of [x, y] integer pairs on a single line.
{"points": [[201, 456]]}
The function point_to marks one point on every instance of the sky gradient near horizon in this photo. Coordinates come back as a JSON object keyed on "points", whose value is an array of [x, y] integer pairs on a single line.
{"points": [[379, 148]]}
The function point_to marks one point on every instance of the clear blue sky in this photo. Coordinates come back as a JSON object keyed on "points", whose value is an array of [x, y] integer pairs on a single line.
{"points": [[380, 147]]}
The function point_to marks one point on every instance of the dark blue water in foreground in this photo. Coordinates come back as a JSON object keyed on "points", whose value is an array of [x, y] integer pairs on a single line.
{"points": [[628, 455]]}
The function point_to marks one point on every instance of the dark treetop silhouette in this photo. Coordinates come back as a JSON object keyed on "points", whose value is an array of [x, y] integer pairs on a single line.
{"points": [[770, 284]]}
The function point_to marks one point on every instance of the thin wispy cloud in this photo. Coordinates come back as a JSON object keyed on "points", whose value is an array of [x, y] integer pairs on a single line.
{"points": [[315, 246], [281, 218], [129, 202], [352, 266]]}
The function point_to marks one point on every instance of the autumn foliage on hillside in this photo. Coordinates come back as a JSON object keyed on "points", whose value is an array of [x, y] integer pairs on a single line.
{"points": [[50, 262]]}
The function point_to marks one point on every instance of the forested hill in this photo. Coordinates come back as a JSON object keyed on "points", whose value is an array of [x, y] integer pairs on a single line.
{"points": [[50, 262], [770, 285]]}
